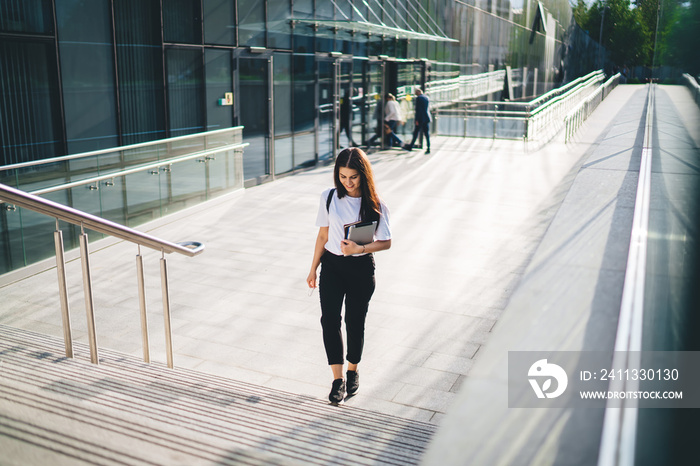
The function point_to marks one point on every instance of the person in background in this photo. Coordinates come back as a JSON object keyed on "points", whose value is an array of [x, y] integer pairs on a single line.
{"points": [[392, 117], [422, 119], [346, 116]]}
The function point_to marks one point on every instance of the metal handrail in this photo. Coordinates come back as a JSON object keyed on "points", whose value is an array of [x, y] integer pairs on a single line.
{"points": [[120, 149], [84, 220], [140, 168], [619, 434], [50, 208]]}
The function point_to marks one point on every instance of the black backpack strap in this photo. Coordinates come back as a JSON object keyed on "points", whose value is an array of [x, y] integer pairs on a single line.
{"points": [[328, 201]]}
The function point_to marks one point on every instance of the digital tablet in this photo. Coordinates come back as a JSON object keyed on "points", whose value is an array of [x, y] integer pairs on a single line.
{"points": [[361, 232]]}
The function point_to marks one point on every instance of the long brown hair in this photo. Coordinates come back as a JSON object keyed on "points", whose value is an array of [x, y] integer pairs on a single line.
{"points": [[356, 159]]}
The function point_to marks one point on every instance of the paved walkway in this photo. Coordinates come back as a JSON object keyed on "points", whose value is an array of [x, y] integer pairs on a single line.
{"points": [[569, 296], [467, 221]]}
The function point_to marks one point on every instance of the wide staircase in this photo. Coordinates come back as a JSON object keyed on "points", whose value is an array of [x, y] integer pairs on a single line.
{"points": [[56, 410]]}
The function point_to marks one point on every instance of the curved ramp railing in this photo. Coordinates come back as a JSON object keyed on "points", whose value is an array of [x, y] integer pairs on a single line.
{"points": [[84, 220]]}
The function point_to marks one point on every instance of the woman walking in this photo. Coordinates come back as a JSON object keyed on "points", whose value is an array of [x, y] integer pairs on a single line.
{"points": [[347, 268]]}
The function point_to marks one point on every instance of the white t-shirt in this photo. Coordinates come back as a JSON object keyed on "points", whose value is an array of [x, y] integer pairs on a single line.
{"points": [[344, 211], [392, 111]]}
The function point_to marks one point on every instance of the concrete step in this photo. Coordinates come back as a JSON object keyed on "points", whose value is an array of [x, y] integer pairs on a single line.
{"points": [[56, 410]]}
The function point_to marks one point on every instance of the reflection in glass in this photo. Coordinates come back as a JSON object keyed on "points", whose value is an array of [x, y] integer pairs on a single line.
{"points": [[254, 116], [184, 68], [251, 23], [30, 16], [182, 22], [305, 149], [29, 76], [325, 110], [278, 23], [139, 54], [87, 64], [284, 150], [219, 23], [185, 184], [219, 81]]}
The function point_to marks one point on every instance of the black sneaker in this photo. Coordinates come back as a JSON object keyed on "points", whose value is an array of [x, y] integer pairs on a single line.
{"points": [[337, 394], [353, 383], [427, 151]]}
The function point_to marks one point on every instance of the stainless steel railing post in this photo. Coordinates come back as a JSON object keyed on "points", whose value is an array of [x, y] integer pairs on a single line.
{"points": [[89, 302], [63, 290], [166, 311], [142, 305]]}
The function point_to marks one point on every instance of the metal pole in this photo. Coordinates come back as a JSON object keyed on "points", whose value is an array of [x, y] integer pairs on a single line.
{"points": [[142, 305], [166, 311], [63, 290], [495, 116], [89, 303]]}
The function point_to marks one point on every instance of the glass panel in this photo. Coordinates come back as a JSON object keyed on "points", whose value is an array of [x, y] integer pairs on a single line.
{"points": [[87, 73], [112, 199], [218, 173], [254, 115], [358, 102], [284, 149], [143, 191], [305, 149], [85, 198], [31, 16], [325, 110], [139, 54], [372, 115], [219, 82], [304, 93], [219, 22], [184, 185], [182, 21], [251, 23], [279, 13], [29, 96], [11, 247], [284, 161], [184, 91], [346, 106], [304, 110]]}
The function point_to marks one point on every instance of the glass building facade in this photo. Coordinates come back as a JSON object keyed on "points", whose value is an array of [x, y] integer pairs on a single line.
{"points": [[303, 77], [82, 75]]}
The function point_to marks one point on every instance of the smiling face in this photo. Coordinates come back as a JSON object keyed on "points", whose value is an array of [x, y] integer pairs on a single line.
{"points": [[350, 179]]}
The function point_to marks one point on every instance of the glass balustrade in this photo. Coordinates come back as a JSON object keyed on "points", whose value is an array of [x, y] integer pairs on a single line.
{"points": [[130, 185]]}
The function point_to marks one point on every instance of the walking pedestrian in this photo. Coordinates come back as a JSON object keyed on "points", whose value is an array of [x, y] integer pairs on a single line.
{"points": [[422, 119], [392, 117], [347, 268]]}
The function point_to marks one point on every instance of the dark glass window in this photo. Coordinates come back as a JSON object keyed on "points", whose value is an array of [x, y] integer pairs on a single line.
{"points": [[283, 113], [219, 22], [185, 109], [254, 115], [87, 72], [219, 82], [304, 93], [140, 65], [182, 21], [304, 110], [30, 16], [279, 13], [251, 23], [29, 108]]}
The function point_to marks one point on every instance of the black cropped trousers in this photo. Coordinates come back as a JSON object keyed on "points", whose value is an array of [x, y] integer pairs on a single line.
{"points": [[351, 279]]}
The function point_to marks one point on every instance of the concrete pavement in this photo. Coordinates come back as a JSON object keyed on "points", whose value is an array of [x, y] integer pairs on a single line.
{"points": [[467, 221]]}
